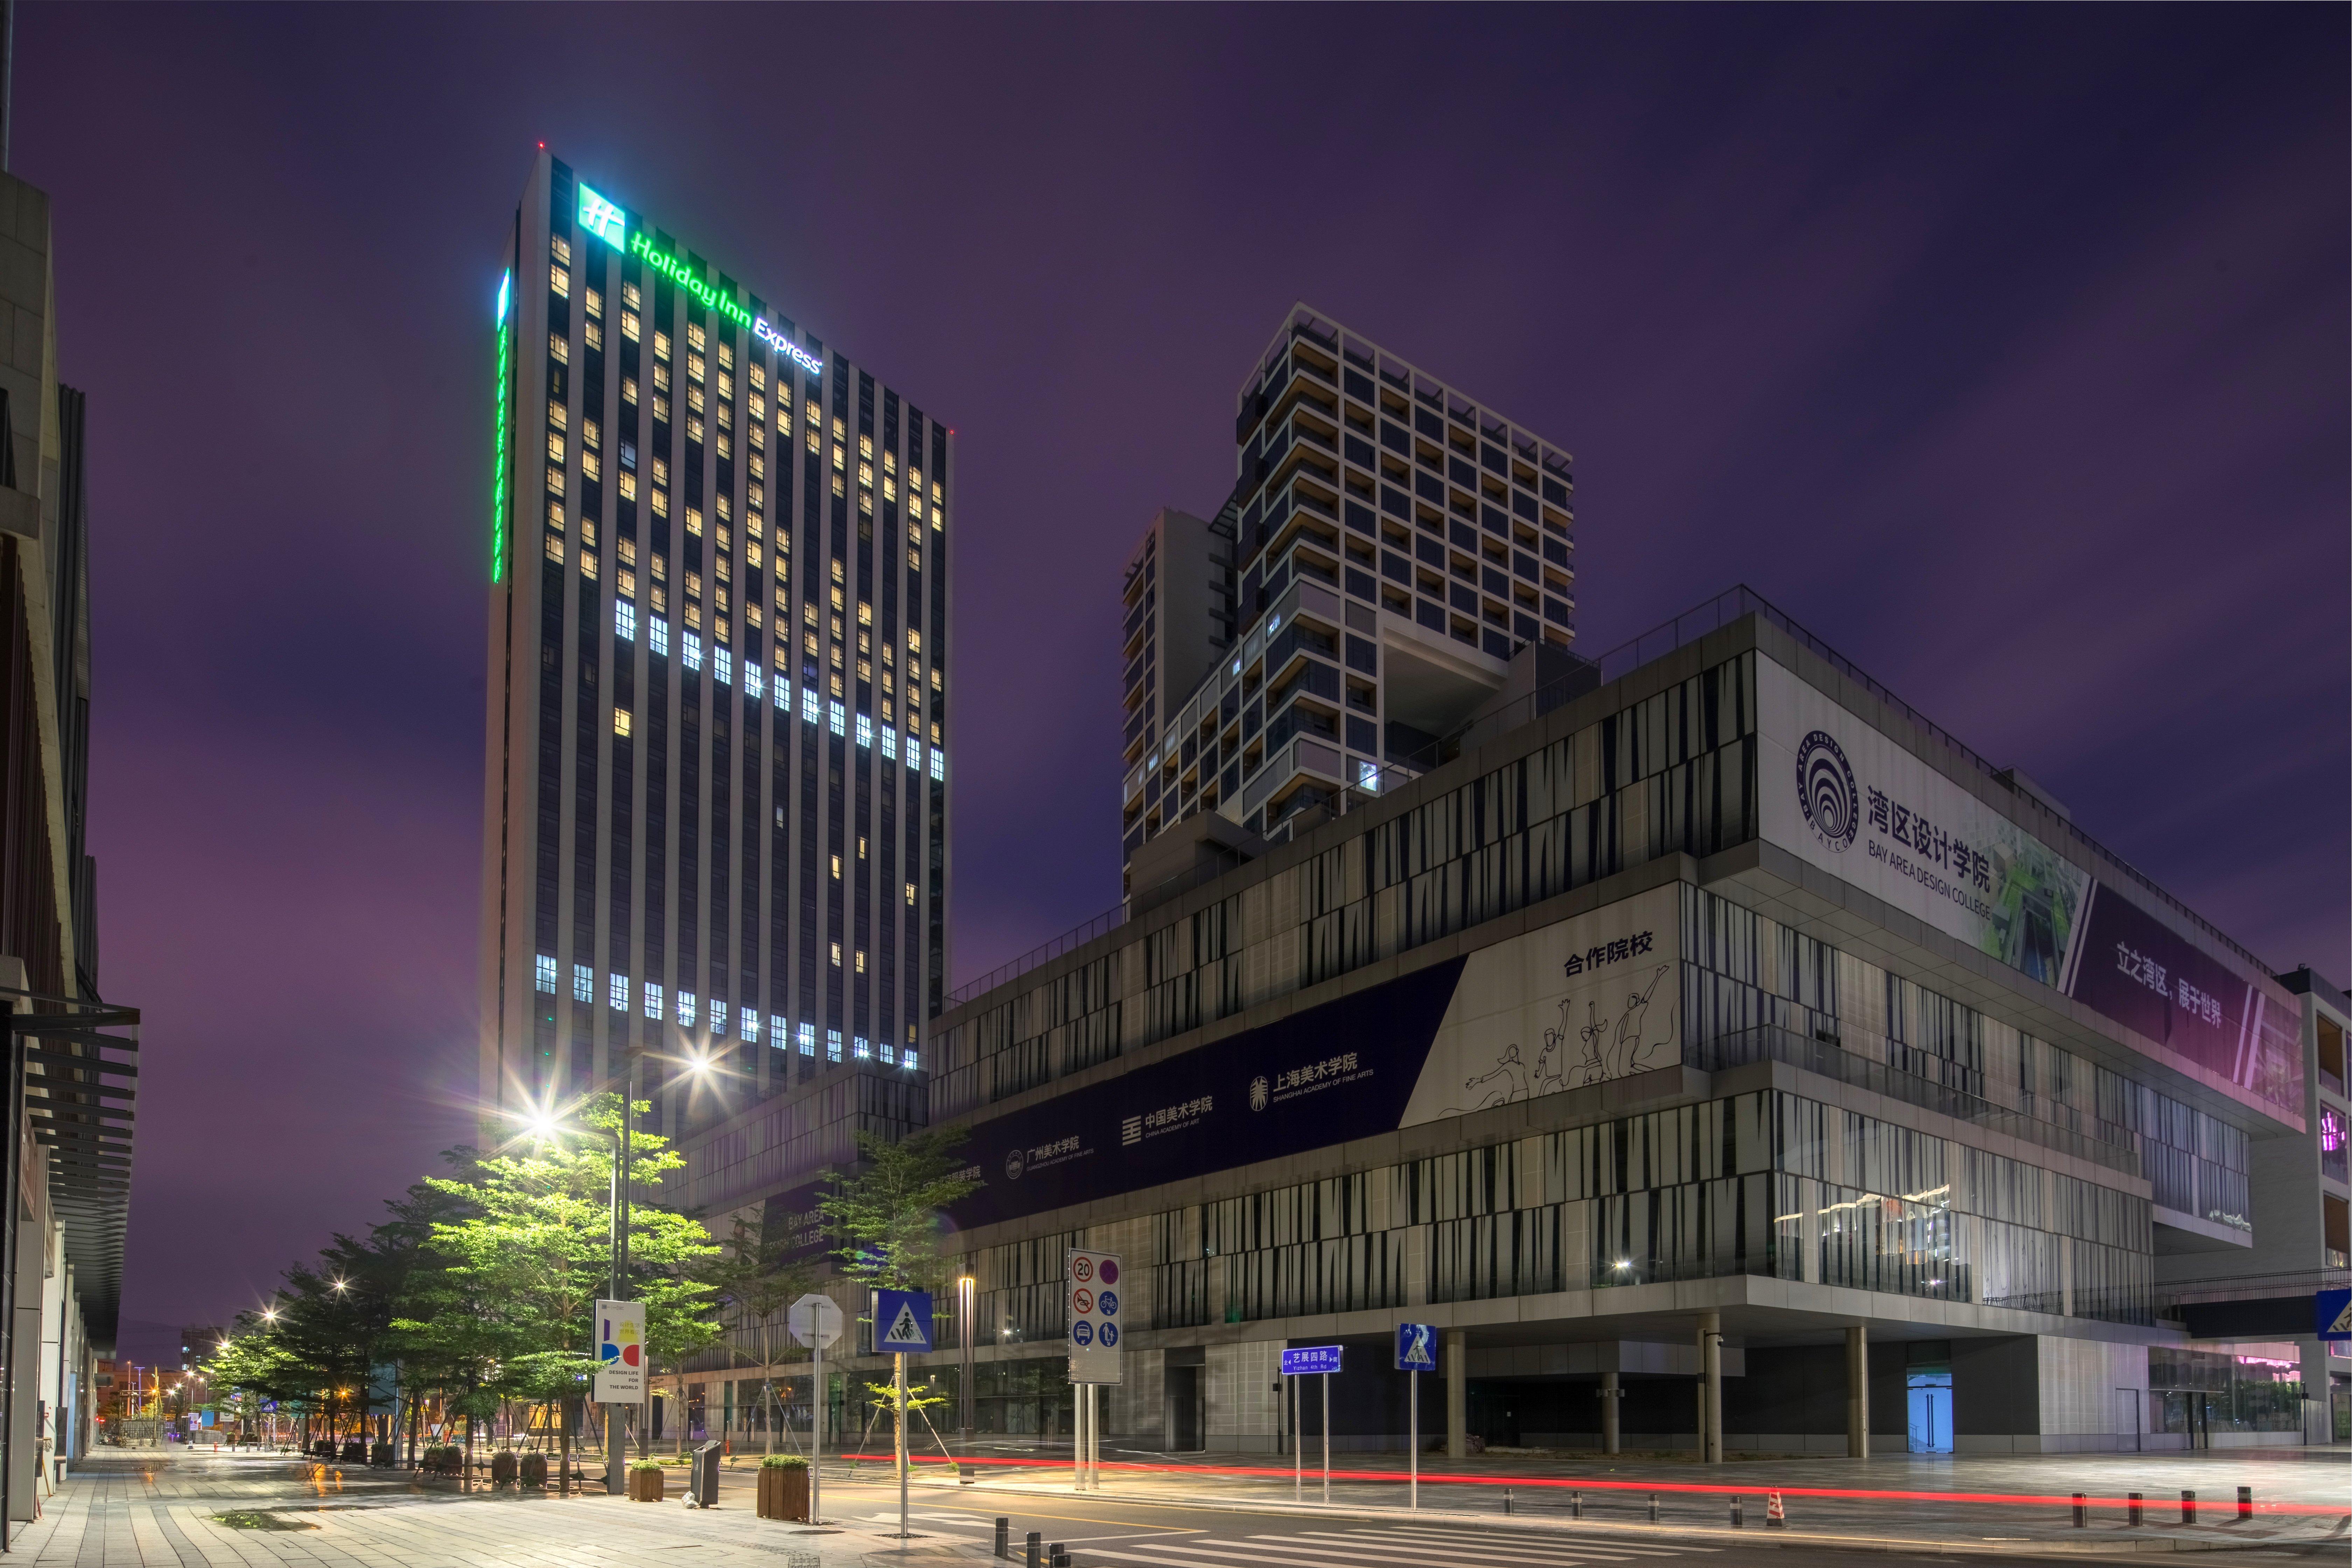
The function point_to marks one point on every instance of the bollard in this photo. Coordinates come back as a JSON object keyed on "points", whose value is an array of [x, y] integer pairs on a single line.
{"points": [[2082, 1515], [2245, 1502], [2131, 1508], [1059, 1557], [1739, 1516], [1036, 1544], [1003, 1537], [2188, 1506], [1654, 1508], [1507, 1499], [1576, 1505]]}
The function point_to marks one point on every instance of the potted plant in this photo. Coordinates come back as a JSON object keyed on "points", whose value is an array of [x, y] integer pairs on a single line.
{"points": [[644, 1482], [502, 1467], [785, 1487], [534, 1468]]}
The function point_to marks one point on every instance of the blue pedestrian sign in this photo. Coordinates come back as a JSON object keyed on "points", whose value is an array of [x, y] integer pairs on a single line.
{"points": [[902, 1321], [1416, 1347], [2333, 1310], [1308, 1360]]}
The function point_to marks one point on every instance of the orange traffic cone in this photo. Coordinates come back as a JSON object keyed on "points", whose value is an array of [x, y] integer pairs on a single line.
{"points": [[1774, 1514]]}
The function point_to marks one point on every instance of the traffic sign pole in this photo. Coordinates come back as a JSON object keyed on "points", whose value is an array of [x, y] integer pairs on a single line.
{"points": [[1413, 1438], [1327, 1440], [815, 1321], [898, 1382], [1297, 1450]]}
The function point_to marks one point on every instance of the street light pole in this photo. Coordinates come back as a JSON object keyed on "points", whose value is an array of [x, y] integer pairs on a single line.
{"points": [[617, 1442]]}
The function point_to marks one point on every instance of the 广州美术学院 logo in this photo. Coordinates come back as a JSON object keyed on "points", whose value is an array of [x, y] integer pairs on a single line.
{"points": [[1013, 1163], [1826, 791]]}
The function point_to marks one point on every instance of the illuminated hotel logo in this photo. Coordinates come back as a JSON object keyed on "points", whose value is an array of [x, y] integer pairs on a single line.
{"points": [[610, 225]]}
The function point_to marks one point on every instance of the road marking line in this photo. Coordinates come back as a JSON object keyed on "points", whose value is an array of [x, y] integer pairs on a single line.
{"points": [[1441, 1532], [1242, 1552], [1447, 1551]]}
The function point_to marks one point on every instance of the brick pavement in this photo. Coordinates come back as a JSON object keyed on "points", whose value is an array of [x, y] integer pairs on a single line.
{"points": [[158, 1511]]}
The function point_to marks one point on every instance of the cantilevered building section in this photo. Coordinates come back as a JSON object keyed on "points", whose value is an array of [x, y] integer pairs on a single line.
{"points": [[1399, 555], [716, 810]]}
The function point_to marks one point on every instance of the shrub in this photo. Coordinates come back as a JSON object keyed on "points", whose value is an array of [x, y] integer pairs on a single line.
{"points": [[783, 1462], [643, 1465], [534, 1469]]}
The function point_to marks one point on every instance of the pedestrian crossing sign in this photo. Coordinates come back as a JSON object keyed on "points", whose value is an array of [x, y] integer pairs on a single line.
{"points": [[902, 1321], [1416, 1347]]}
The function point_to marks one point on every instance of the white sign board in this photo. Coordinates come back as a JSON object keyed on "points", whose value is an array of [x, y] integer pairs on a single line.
{"points": [[814, 1320], [620, 1353], [1098, 1294]]}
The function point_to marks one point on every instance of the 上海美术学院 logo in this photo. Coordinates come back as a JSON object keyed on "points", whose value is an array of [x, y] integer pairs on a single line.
{"points": [[1013, 1165], [1257, 1093], [1826, 791]]}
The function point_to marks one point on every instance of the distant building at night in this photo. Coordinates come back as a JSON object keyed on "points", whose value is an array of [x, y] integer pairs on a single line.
{"points": [[715, 809], [1395, 559]]}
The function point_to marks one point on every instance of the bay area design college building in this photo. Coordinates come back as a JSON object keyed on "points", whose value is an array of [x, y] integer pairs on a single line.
{"points": [[1715, 1050]]}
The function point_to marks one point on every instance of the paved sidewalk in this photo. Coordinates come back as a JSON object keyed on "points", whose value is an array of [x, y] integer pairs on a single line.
{"points": [[158, 1511]]}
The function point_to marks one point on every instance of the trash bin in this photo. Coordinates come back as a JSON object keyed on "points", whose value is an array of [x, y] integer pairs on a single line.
{"points": [[702, 1482]]}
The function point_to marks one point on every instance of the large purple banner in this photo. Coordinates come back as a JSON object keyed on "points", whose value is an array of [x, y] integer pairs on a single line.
{"points": [[2134, 969]]}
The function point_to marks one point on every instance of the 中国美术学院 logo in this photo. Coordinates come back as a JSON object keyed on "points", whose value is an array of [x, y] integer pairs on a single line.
{"points": [[1826, 791], [1257, 1094]]}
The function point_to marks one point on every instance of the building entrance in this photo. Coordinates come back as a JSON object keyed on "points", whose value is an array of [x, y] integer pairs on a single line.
{"points": [[1929, 1391]]}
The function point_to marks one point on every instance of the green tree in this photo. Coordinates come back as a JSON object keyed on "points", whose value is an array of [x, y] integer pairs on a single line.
{"points": [[754, 1282], [885, 1217]]}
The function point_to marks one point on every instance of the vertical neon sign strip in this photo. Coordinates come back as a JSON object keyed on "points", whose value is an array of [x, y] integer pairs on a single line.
{"points": [[500, 488]]}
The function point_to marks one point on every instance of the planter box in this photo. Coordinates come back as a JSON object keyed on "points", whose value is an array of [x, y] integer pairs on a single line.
{"points": [[783, 1493], [644, 1485]]}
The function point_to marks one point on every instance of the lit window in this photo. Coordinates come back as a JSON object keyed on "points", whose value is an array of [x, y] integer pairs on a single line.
{"points": [[910, 895], [726, 382], [865, 1048], [779, 1031], [555, 548], [621, 724], [836, 868], [717, 1023], [630, 296], [630, 328], [907, 1058], [861, 961], [555, 514], [889, 737], [807, 1038], [755, 682], [809, 704], [547, 969], [864, 731], [624, 614], [592, 333], [652, 1000], [592, 464], [813, 442], [558, 248], [864, 613], [837, 960], [833, 1045], [838, 489], [887, 1051], [628, 485], [583, 982], [889, 488], [588, 564], [747, 1027], [661, 351], [837, 718], [865, 476], [722, 667], [694, 338], [939, 758], [616, 992], [685, 1009], [864, 446], [559, 278], [558, 348], [555, 448], [657, 638], [692, 650], [783, 690]]}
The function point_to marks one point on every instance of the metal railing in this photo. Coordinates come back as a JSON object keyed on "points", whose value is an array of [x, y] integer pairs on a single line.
{"points": [[2251, 1287], [1830, 1060]]}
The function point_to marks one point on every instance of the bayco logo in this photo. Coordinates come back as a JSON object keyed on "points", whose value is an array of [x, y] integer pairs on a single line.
{"points": [[1825, 788]]}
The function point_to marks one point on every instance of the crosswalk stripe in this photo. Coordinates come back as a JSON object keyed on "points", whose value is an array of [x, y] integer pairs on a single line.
{"points": [[1243, 1553], [1406, 1550], [1440, 1532]]}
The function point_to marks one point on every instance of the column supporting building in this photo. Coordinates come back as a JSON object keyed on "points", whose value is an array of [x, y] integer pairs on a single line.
{"points": [[1857, 1392]]}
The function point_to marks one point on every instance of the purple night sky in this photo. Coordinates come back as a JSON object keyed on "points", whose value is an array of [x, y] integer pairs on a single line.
{"points": [[2004, 348]]}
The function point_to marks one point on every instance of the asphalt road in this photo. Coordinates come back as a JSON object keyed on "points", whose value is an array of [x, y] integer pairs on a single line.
{"points": [[1102, 1532]]}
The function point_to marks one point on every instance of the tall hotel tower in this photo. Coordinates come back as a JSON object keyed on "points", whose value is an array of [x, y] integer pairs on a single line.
{"points": [[715, 820]]}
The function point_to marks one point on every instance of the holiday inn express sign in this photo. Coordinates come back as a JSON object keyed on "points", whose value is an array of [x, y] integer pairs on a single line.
{"points": [[610, 224]]}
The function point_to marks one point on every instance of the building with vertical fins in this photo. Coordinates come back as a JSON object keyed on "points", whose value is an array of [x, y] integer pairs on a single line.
{"points": [[715, 810]]}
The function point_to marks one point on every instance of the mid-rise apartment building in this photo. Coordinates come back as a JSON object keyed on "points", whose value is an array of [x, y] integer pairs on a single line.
{"points": [[715, 811], [1393, 546]]}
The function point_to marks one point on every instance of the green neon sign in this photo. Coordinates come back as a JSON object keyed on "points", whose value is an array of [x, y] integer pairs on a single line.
{"points": [[680, 273], [499, 498]]}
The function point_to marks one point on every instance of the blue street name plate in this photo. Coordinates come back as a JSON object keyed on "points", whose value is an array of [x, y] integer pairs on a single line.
{"points": [[1308, 1360]]}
